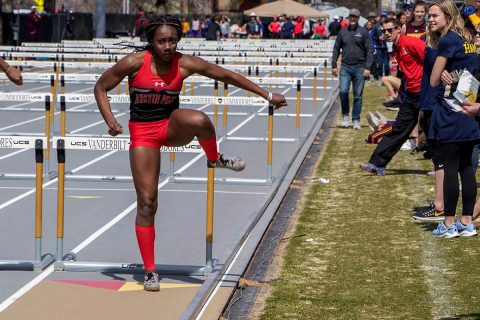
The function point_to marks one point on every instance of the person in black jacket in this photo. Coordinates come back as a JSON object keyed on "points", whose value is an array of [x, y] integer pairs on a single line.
{"points": [[357, 59], [334, 28]]}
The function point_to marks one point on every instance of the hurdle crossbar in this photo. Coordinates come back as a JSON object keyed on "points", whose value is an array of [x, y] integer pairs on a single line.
{"points": [[68, 262], [47, 98], [40, 261]]}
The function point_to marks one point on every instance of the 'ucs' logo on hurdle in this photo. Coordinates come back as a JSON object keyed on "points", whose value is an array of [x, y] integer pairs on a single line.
{"points": [[11, 143]]}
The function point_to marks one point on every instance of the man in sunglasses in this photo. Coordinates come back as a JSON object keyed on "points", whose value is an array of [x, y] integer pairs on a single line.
{"points": [[357, 58], [409, 53]]}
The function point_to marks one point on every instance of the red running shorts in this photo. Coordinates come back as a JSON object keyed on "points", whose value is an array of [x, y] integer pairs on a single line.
{"points": [[148, 134]]}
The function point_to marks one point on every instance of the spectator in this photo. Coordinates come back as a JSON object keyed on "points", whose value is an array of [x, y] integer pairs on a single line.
{"points": [[306, 29], [262, 30], [343, 22], [381, 49], [320, 30], [402, 18], [407, 11], [34, 20], [185, 28], [214, 31], [456, 133], [334, 28], [196, 27], [139, 27], [287, 29], [274, 27], [68, 32], [253, 27], [298, 27], [392, 84], [356, 46], [428, 102], [225, 27], [410, 53], [417, 27]]}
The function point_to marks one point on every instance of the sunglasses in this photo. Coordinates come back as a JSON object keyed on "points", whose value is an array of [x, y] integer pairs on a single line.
{"points": [[389, 30]]}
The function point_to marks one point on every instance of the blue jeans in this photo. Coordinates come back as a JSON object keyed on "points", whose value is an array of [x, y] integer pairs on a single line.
{"points": [[354, 75], [383, 65]]}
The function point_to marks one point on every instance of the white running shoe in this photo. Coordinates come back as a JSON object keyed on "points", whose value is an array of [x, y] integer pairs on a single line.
{"points": [[356, 125]]}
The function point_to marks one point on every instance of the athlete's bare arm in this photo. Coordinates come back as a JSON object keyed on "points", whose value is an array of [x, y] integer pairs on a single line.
{"points": [[126, 67], [190, 65], [13, 74]]}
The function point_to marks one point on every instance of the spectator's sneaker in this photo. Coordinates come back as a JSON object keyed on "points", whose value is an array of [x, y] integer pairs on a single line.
{"points": [[381, 117], [409, 145], [443, 231], [345, 121], [392, 104], [373, 121], [468, 230], [235, 163], [429, 213], [379, 171], [151, 282], [356, 125]]}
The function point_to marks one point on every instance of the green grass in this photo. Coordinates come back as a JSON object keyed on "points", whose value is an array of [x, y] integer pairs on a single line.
{"points": [[369, 259]]}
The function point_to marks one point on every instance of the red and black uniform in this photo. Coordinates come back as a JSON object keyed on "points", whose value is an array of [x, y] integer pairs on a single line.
{"points": [[410, 55], [419, 32], [152, 99]]}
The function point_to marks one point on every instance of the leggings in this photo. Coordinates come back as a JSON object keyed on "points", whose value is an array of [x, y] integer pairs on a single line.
{"points": [[457, 159]]}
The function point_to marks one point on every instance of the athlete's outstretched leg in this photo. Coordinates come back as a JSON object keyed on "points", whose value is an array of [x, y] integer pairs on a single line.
{"points": [[145, 166], [186, 124]]}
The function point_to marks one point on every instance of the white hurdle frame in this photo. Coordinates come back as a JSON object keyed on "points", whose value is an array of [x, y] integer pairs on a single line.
{"points": [[187, 100], [47, 98], [40, 261], [68, 262]]}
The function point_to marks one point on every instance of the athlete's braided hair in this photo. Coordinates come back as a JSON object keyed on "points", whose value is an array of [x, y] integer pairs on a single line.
{"points": [[167, 20]]}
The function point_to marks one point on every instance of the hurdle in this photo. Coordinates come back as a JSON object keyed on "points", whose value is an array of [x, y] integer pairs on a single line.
{"points": [[184, 100], [41, 261], [85, 78], [70, 263], [32, 97]]}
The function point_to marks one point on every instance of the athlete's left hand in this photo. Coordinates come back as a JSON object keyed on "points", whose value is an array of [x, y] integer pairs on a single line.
{"points": [[278, 100]]}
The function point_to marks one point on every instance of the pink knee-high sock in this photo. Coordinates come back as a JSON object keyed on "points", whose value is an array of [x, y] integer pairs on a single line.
{"points": [[210, 148], [146, 243]]}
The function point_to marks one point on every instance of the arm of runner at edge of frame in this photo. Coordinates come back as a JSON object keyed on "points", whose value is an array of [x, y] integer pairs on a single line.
{"points": [[111, 78], [191, 65]]}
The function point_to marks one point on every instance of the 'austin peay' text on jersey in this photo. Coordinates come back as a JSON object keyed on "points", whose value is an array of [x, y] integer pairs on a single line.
{"points": [[154, 97]]}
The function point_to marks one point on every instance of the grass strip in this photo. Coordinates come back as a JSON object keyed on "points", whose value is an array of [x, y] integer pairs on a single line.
{"points": [[368, 258]]}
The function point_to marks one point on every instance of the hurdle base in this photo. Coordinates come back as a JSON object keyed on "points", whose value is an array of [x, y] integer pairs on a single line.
{"points": [[26, 176], [47, 260], [261, 139], [131, 268], [233, 181], [69, 176]]}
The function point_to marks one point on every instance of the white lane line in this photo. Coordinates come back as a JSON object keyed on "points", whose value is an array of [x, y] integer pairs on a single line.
{"points": [[217, 287], [85, 243], [12, 154], [219, 284]]}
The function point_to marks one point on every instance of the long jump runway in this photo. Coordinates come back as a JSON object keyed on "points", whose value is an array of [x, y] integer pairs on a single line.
{"points": [[99, 216]]}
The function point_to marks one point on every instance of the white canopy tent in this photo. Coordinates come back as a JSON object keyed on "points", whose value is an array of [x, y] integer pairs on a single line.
{"points": [[288, 7]]}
